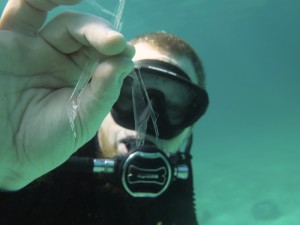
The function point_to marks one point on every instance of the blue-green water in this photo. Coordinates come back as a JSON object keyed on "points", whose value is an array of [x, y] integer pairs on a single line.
{"points": [[247, 147]]}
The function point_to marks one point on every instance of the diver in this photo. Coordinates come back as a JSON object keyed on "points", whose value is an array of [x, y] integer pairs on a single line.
{"points": [[114, 180]]}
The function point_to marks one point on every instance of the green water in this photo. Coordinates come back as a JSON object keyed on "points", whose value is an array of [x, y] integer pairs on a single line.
{"points": [[247, 147]]}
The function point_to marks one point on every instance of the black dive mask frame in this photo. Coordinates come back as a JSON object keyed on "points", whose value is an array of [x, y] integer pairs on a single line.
{"points": [[169, 75], [145, 172]]}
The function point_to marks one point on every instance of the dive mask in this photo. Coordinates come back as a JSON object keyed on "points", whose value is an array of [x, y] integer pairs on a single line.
{"points": [[177, 102]]}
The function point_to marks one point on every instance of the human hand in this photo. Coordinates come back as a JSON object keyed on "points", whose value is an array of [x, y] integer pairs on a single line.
{"points": [[39, 68]]}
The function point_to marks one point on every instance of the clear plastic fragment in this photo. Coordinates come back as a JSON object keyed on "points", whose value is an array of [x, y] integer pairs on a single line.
{"points": [[142, 109]]}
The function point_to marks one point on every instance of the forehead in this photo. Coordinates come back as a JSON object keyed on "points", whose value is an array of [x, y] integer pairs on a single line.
{"points": [[147, 51]]}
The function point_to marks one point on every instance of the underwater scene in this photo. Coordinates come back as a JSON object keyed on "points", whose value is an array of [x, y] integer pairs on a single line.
{"points": [[246, 148]]}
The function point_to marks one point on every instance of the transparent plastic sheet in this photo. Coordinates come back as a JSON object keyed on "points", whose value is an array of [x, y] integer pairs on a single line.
{"points": [[142, 109], [74, 101], [114, 16], [142, 106]]}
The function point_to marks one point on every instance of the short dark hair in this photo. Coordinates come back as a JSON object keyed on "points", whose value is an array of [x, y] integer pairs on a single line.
{"points": [[174, 45]]}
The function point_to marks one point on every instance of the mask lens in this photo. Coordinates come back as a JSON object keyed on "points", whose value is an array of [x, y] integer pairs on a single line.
{"points": [[124, 102]]}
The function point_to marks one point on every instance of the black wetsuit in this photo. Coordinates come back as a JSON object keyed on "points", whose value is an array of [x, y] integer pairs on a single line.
{"points": [[66, 198]]}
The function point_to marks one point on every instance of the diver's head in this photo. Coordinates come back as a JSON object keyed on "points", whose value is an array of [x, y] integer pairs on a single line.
{"points": [[171, 49], [174, 78]]}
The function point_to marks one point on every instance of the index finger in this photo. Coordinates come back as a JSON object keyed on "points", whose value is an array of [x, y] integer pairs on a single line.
{"points": [[28, 16]]}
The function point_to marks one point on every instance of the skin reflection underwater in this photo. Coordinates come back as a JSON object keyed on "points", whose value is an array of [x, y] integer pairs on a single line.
{"points": [[110, 180]]}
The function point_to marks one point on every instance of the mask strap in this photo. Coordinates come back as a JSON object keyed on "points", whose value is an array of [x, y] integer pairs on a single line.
{"points": [[188, 146]]}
